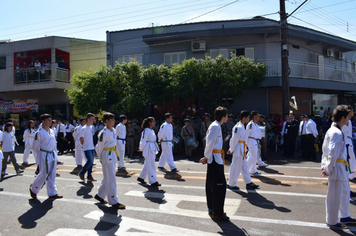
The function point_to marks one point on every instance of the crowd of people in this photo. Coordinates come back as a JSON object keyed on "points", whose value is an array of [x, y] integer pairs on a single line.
{"points": [[35, 71], [110, 140]]}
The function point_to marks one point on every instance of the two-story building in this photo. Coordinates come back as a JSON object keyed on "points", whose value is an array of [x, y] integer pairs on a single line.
{"points": [[322, 66], [41, 69]]}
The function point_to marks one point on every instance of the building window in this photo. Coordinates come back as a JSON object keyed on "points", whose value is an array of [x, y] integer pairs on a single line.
{"points": [[127, 58], [2, 63], [248, 52], [174, 57]]}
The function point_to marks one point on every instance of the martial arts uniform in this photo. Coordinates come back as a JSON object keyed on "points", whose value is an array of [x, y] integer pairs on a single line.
{"points": [[165, 135], [252, 139], [347, 131], [28, 137], [120, 144], [215, 185], [239, 148], [44, 146], [8, 140], [106, 150], [78, 151], [149, 149], [336, 167]]}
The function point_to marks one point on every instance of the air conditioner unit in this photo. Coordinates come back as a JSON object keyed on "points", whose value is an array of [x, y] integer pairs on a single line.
{"points": [[329, 53], [340, 56], [198, 46]]}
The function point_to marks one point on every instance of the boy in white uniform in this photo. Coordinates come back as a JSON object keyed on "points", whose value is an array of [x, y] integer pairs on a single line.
{"points": [[238, 149], [253, 137], [45, 146], [215, 186], [165, 137], [78, 151], [28, 137], [121, 141], [106, 150], [334, 165]]}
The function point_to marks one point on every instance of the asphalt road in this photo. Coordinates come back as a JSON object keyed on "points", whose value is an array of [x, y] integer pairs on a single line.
{"points": [[290, 201]]}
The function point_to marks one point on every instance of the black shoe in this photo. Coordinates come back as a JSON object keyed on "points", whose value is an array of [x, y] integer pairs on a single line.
{"points": [[222, 217], [102, 201], [252, 186], [210, 212], [352, 194], [79, 166], [232, 187], [119, 206], [175, 170], [161, 168], [141, 180], [156, 184]]}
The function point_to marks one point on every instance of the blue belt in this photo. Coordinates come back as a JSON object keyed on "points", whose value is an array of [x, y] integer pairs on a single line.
{"points": [[123, 140]]}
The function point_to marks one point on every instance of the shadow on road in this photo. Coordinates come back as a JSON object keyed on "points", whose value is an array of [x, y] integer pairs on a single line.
{"points": [[258, 200], [109, 222], [38, 210], [85, 190], [267, 180], [230, 229]]}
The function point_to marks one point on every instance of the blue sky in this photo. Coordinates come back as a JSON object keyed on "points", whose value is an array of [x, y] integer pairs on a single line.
{"points": [[24, 19]]}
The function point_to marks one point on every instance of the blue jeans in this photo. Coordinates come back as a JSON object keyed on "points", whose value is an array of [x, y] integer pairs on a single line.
{"points": [[89, 154]]}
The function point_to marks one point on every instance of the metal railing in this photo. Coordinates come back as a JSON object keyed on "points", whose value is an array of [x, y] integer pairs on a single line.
{"points": [[311, 71], [24, 76]]}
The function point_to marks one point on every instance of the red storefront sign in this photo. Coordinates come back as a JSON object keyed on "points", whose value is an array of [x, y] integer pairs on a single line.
{"points": [[19, 105]]}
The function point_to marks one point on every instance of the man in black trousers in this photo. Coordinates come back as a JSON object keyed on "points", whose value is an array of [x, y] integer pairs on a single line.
{"points": [[292, 127]]}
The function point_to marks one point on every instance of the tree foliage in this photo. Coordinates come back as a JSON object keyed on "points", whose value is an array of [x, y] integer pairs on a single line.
{"points": [[131, 86]]}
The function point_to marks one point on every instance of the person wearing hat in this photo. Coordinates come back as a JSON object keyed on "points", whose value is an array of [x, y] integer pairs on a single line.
{"points": [[292, 126], [204, 127], [187, 133], [61, 133], [312, 133], [303, 135]]}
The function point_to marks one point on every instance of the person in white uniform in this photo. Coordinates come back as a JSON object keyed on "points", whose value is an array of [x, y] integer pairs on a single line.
{"points": [[106, 150], [238, 149], [214, 156], [28, 137], [252, 139], [334, 165], [78, 151], [121, 141], [312, 133], [149, 149], [165, 137], [45, 146], [347, 131]]}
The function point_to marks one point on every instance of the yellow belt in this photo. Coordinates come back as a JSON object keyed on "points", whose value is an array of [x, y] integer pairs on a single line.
{"points": [[30, 136], [112, 149], [245, 146], [222, 154], [345, 162]]}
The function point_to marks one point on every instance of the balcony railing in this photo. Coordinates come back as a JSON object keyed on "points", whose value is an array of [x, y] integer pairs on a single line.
{"points": [[24, 76], [311, 71]]}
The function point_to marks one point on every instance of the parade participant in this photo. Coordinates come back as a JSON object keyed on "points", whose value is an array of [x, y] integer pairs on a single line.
{"points": [[86, 139], [252, 139], [7, 144], [69, 136], [121, 141], [187, 133], [334, 165], [238, 150], [61, 133], [303, 135], [28, 137], [312, 133], [165, 137], [79, 153], [215, 185], [106, 150], [45, 147], [204, 127], [149, 149]]}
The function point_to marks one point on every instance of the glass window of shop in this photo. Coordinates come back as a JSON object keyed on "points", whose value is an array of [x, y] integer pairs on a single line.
{"points": [[328, 102]]}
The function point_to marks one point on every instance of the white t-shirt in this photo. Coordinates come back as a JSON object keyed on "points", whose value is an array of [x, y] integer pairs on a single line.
{"points": [[87, 133], [8, 140]]}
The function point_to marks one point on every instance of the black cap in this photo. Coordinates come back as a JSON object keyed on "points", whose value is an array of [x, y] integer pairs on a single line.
{"points": [[231, 115], [207, 114], [262, 116], [186, 120]]}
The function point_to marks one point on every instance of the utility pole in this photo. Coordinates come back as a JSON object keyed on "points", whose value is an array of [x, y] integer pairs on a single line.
{"points": [[284, 58]]}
